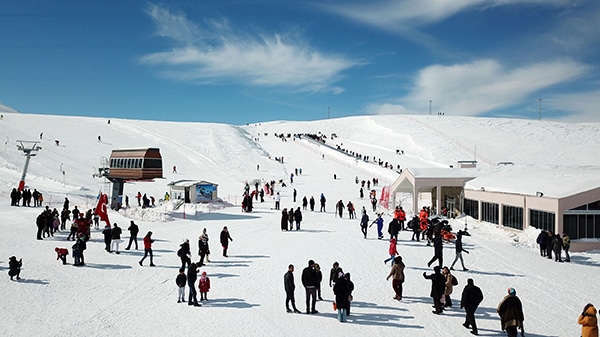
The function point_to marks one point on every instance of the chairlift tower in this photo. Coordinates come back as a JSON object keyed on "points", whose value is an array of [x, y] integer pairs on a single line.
{"points": [[30, 149]]}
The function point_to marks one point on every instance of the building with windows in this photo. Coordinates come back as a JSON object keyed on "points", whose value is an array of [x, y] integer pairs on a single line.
{"points": [[561, 201], [193, 191], [516, 197]]}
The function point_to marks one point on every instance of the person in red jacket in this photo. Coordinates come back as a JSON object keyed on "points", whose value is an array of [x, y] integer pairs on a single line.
{"points": [[148, 248], [61, 253], [401, 218], [204, 285]]}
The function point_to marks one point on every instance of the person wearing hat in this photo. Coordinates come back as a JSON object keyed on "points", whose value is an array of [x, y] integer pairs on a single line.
{"points": [[204, 286], [510, 310], [588, 321], [148, 249]]}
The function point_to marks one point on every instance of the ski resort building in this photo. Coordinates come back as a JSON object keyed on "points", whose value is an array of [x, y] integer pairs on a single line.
{"points": [[515, 197], [193, 191]]}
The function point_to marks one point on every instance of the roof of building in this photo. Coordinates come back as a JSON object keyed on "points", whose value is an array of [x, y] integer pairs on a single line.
{"points": [[552, 181]]}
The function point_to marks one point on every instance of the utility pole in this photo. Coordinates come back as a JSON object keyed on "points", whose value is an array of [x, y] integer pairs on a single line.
{"points": [[539, 108], [328, 109], [28, 151], [430, 107]]}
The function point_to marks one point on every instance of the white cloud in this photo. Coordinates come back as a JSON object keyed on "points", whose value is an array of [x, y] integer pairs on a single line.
{"points": [[398, 16], [216, 53], [482, 86]]}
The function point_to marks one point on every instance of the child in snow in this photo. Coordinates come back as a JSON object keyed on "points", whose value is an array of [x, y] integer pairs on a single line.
{"points": [[204, 286], [61, 253], [393, 250], [76, 254], [181, 280]]}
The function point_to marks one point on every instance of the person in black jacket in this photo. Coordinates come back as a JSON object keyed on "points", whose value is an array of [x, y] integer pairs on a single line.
{"points": [[191, 279], [459, 249], [133, 232], [341, 297], [470, 299], [438, 285], [350, 290], [107, 232], [309, 281], [394, 228], [284, 219], [184, 253], [116, 238], [319, 280], [438, 252], [333, 274], [289, 286], [298, 218], [180, 281], [14, 267], [225, 237]]}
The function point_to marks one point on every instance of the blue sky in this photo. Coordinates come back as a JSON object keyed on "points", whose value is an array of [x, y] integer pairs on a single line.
{"points": [[241, 62]]}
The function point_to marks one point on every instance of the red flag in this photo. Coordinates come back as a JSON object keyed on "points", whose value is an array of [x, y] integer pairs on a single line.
{"points": [[101, 208]]}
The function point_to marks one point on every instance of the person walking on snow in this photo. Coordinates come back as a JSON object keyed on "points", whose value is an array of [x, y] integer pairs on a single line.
{"points": [[510, 310], [225, 238], [393, 251], [397, 275], [379, 222], [133, 232], [289, 286], [148, 249], [322, 200], [459, 249], [470, 299], [364, 223]]}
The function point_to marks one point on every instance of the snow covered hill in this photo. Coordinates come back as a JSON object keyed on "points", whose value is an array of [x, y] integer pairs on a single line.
{"points": [[113, 296]]}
